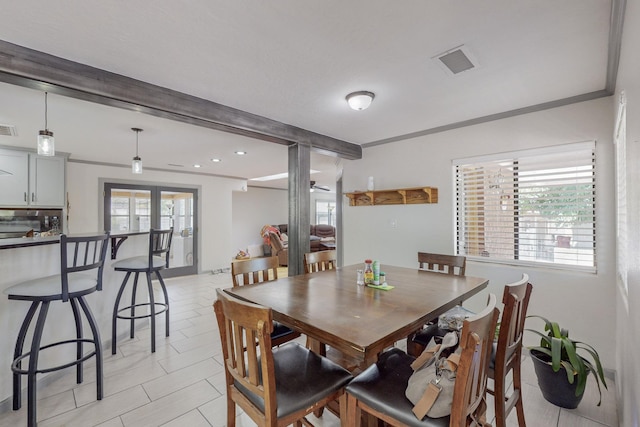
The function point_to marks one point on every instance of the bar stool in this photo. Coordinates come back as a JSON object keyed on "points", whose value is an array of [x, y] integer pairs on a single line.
{"points": [[78, 255], [156, 260]]}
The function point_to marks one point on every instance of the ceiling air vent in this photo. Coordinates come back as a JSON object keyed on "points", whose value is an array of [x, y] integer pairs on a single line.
{"points": [[8, 130], [456, 60]]}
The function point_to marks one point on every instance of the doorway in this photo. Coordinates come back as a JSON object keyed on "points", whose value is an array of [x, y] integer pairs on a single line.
{"points": [[133, 207]]}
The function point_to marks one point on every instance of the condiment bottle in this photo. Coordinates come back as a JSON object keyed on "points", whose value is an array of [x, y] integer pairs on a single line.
{"points": [[368, 272], [376, 272]]}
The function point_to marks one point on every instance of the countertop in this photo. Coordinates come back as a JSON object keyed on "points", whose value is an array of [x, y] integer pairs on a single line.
{"points": [[23, 242]]}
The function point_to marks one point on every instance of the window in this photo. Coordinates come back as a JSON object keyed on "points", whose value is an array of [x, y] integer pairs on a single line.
{"points": [[326, 212], [530, 206]]}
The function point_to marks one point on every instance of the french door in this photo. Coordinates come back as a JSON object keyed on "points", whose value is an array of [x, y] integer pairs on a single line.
{"points": [[132, 207]]}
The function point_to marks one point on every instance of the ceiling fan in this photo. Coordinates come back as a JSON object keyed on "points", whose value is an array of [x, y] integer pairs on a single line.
{"points": [[318, 187]]}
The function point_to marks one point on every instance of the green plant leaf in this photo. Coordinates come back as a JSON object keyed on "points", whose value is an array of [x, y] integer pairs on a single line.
{"points": [[568, 367], [556, 353], [598, 372]]}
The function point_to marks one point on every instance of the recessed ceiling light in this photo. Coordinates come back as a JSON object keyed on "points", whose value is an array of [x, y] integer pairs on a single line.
{"points": [[216, 160], [196, 165], [241, 153]]}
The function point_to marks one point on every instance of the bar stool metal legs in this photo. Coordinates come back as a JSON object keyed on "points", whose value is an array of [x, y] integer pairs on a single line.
{"points": [[155, 308]]}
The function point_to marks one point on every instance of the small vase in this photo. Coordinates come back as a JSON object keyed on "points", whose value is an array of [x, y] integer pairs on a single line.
{"points": [[370, 185]]}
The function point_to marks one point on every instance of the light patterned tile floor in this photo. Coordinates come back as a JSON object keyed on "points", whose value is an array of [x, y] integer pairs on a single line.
{"points": [[182, 384]]}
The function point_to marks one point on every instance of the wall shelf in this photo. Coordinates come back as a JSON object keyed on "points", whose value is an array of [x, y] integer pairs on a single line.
{"points": [[400, 196]]}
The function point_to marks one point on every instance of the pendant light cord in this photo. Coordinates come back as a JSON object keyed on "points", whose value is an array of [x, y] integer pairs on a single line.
{"points": [[45, 111]]}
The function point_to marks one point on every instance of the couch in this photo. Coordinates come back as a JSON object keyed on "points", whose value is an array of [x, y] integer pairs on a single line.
{"points": [[322, 237]]}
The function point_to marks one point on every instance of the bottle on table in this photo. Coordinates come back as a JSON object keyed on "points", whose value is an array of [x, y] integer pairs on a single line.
{"points": [[376, 272], [368, 272]]}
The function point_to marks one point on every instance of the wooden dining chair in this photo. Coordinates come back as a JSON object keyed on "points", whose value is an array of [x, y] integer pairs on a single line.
{"points": [[379, 391], [320, 261], [274, 387], [508, 352], [441, 263], [448, 264], [260, 270]]}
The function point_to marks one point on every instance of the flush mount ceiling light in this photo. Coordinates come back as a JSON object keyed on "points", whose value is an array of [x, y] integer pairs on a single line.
{"points": [[360, 100], [46, 142], [241, 153], [136, 163], [216, 160]]}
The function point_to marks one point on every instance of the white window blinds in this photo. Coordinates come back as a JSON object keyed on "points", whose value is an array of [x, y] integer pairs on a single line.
{"points": [[535, 205]]}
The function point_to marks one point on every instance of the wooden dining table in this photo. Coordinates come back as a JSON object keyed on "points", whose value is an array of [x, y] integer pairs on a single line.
{"points": [[359, 321]]}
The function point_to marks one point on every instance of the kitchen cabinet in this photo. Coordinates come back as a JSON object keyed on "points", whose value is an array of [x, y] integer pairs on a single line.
{"points": [[27, 179], [14, 178]]}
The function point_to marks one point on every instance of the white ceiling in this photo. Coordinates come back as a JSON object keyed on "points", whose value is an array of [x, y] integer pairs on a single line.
{"points": [[294, 62]]}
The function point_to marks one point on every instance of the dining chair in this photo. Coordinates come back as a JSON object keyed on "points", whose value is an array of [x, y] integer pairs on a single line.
{"points": [[379, 391], [441, 263], [260, 270], [274, 387], [81, 266], [449, 264], [508, 352], [320, 261]]}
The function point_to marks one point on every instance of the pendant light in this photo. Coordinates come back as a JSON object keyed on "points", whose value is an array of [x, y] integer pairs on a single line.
{"points": [[136, 163], [46, 142]]}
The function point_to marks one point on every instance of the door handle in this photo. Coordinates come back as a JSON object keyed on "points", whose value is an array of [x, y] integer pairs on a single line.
{"points": [[33, 197], [25, 196]]}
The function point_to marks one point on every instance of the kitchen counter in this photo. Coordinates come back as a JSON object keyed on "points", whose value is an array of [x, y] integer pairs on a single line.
{"points": [[24, 242]]}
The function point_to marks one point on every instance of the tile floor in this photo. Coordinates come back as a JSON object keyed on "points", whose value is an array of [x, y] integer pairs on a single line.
{"points": [[182, 384]]}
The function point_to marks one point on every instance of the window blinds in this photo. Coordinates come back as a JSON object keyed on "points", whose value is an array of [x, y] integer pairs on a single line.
{"points": [[534, 205]]}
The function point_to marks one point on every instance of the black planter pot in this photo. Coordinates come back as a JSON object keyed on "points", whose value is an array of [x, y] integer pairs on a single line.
{"points": [[554, 385]]}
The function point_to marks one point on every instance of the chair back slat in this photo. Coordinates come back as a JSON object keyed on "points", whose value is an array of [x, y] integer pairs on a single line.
{"points": [[320, 261], [471, 380], [160, 244], [449, 264], [254, 270], [79, 247], [516, 301], [245, 330]]}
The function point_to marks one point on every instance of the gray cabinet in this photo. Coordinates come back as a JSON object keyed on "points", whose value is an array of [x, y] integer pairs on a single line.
{"points": [[27, 179]]}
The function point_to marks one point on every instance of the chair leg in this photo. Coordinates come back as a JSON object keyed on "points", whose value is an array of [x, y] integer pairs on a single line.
{"points": [[133, 306], [353, 412], [33, 364], [17, 377], [499, 397], [79, 350], [114, 318], [166, 301], [517, 386], [152, 308], [98, 345]]}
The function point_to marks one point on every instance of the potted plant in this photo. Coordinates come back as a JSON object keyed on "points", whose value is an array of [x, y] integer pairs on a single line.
{"points": [[563, 365]]}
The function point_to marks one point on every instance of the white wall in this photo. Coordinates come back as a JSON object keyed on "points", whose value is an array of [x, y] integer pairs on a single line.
{"points": [[628, 306], [369, 231], [215, 244], [254, 209]]}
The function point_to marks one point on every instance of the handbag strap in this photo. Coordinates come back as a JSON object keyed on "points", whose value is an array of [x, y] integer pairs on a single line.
{"points": [[433, 353], [433, 390]]}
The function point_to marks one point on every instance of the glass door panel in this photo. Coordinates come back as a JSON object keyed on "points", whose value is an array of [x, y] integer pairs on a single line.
{"points": [[176, 210]]}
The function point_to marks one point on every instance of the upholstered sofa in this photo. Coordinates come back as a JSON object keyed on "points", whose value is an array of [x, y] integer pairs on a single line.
{"points": [[322, 237]]}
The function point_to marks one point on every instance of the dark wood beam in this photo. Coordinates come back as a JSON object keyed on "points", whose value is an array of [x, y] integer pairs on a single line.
{"points": [[38, 70]]}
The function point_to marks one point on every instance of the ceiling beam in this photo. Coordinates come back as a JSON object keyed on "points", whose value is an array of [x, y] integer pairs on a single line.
{"points": [[38, 70]]}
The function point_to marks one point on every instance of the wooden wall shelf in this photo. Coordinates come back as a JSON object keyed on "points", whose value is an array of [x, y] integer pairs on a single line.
{"points": [[400, 196]]}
